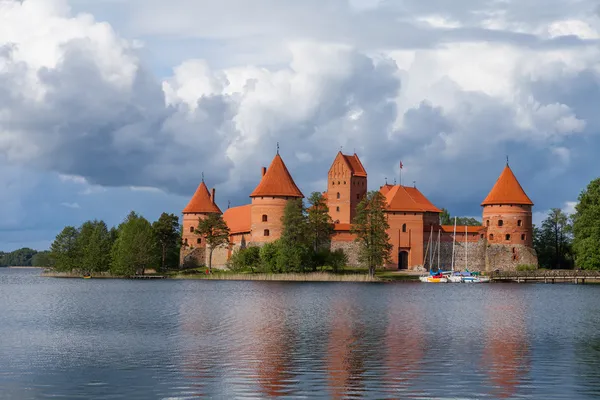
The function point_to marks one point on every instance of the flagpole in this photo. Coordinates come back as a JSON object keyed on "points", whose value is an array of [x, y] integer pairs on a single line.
{"points": [[401, 172]]}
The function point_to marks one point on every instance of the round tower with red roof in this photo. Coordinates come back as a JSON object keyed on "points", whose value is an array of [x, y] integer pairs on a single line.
{"points": [[507, 212], [269, 199], [200, 206]]}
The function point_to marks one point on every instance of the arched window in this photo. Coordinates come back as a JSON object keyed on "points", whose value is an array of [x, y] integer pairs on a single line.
{"points": [[491, 236], [507, 237], [337, 195], [267, 233], [500, 222], [358, 197], [523, 237], [338, 182], [332, 183], [337, 209], [264, 218], [191, 229], [403, 227], [344, 182], [519, 223], [199, 240], [487, 223], [482, 235], [185, 242]]}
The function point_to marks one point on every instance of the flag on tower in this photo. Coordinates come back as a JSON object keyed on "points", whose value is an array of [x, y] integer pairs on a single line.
{"points": [[401, 165]]}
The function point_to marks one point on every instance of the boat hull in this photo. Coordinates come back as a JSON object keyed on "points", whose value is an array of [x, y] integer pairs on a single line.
{"points": [[431, 279]]}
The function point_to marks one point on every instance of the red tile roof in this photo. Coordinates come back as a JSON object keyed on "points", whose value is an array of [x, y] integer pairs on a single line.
{"points": [[385, 188], [355, 165], [342, 227], [507, 190], [238, 219], [201, 202], [277, 181], [402, 198], [461, 229]]}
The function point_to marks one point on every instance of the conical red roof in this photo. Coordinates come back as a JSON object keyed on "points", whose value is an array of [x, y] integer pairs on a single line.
{"points": [[277, 182], [507, 190], [201, 202]]}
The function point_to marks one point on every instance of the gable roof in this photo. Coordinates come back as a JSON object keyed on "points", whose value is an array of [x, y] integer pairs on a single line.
{"points": [[461, 229], [201, 202], [355, 165], [277, 181], [238, 219], [402, 198], [507, 190]]}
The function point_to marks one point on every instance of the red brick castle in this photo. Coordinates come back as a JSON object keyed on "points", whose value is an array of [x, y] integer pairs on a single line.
{"points": [[419, 240]]}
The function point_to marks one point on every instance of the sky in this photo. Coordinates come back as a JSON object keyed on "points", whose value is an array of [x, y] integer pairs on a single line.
{"points": [[108, 106]]}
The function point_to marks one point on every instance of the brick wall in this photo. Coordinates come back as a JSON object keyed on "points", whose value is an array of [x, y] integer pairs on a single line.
{"points": [[512, 220], [272, 208]]}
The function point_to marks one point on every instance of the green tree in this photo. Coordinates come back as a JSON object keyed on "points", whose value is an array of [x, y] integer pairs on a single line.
{"points": [[294, 252], [586, 227], [269, 255], [446, 219], [63, 250], [135, 248], [370, 227], [553, 241], [93, 246], [42, 259], [18, 258], [216, 233], [168, 237], [320, 224]]}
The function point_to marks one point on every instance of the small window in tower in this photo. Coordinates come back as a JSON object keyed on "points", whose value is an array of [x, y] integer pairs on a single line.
{"points": [[198, 241], [482, 235], [338, 182], [500, 222], [267, 233], [264, 218], [185, 242], [491, 236], [344, 182], [519, 223], [523, 237], [337, 195], [403, 227], [332, 183], [337, 209], [487, 223], [507, 237], [358, 197], [191, 229]]}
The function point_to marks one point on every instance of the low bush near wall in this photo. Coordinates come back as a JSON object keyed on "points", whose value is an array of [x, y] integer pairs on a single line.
{"points": [[526, 267]]}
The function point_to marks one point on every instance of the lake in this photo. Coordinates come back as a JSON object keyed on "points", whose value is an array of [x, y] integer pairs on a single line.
{"points": [[169, 339]]}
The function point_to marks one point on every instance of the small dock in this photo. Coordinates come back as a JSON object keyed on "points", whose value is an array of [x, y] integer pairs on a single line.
{"points": [[147, 277], [546, 276]]}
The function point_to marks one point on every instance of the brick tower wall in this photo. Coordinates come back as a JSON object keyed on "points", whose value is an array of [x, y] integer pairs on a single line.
{"points": [[273, 208], [192, 252], [513, 220], [351, 190]]}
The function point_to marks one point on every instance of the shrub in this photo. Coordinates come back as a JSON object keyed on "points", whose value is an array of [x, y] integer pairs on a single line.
{"points": [[245, 259], [337, 259], [526, 267], [269, 256]]}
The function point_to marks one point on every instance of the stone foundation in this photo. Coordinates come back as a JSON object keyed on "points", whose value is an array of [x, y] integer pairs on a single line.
{"points": [[351, 251], [192, 257], [508, 257], [473, 258]]}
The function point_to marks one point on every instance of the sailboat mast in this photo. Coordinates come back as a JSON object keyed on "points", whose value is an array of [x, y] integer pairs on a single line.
{"points": [[439, 249], [453, 243], [466, 250], [431, 253]]}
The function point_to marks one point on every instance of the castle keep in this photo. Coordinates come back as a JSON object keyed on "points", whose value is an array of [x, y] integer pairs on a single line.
{"points": [[419, 240]]}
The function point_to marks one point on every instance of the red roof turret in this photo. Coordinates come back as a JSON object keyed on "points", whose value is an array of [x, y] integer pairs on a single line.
{"points": [[507, 190]]}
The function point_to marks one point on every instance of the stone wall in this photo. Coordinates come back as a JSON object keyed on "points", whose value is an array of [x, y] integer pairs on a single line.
{"points": [[350, 249], [192, 257], [473, 259], [508, 257]]}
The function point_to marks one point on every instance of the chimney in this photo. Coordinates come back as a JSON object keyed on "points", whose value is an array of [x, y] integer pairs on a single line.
{"points": [[264, 171], [212, 196]]}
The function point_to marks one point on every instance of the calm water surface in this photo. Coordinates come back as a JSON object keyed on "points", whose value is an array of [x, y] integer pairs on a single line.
{"points": [[98, 339]]}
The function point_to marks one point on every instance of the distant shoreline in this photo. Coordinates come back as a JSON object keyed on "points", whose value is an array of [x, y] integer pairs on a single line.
{"points": [[15, 267]]}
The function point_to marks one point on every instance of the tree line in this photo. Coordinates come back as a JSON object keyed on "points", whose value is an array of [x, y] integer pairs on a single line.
{"points": [[127, 249], [567, 241], [24, 257]]}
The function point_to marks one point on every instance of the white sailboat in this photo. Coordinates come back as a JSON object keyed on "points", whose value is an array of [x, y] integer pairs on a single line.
{"points": [[431, 277]]}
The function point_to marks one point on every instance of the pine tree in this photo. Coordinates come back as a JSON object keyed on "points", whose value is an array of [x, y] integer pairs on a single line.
{"points": [[320, 224], [216, 233], [295, 240], [167, 233], [370, 227]]}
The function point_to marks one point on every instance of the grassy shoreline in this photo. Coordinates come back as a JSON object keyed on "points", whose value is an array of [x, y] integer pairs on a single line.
{"points": [[345, 276]]}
